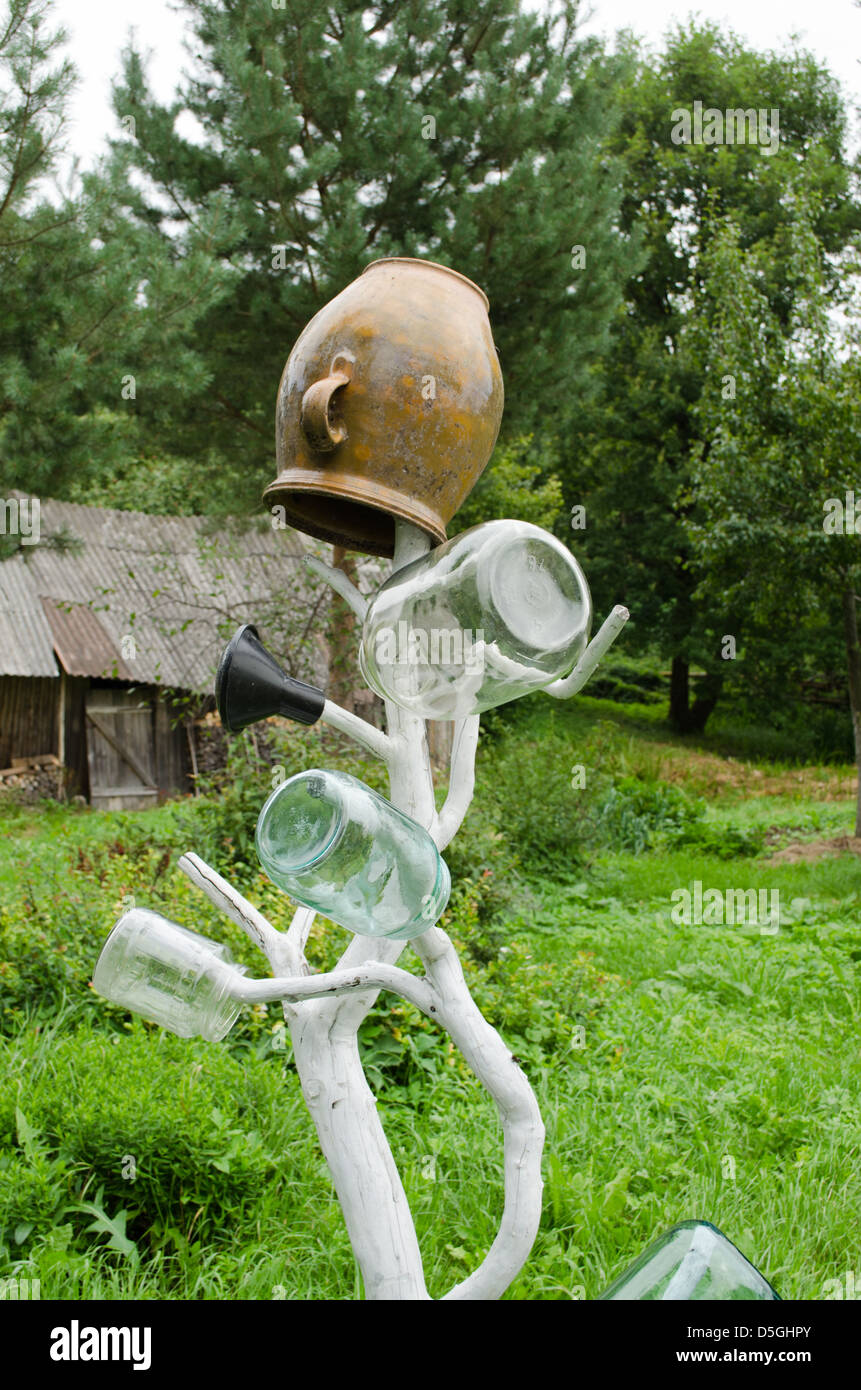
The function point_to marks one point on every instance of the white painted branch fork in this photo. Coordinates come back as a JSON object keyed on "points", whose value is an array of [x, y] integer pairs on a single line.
{"points": [[324, 1011]]}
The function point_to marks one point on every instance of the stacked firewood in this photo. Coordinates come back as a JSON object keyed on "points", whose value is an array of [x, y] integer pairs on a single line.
{"points": [[32, 779]]}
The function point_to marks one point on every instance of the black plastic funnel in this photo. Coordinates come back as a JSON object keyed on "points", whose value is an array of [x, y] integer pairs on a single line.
{"points": [[250, 685]]}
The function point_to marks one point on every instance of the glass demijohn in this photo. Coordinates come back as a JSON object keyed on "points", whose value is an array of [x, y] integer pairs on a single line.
{"points": [[337, 846], [496, 612], [693, 1262]]}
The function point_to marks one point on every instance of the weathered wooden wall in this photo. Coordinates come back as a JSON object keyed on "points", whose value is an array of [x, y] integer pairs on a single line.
{"points": [[32, 709], [75, 753], [28, 717], [172, 754]]}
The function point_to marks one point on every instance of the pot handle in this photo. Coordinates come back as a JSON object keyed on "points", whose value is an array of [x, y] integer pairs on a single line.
{"points": [[322, 432]]}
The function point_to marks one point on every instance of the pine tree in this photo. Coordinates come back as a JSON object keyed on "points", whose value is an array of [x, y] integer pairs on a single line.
{"points": [[97, 305], [472, 132]]}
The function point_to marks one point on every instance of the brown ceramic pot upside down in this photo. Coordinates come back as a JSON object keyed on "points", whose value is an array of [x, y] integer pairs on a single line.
{"points": [[388, 407]]}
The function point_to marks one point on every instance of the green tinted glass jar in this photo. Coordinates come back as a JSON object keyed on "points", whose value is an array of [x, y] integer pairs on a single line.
{"points": [[693, 1262], [338, 847]]}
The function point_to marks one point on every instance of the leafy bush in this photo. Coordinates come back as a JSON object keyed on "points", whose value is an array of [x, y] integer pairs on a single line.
{"points": [[540, 1008], [520, 482], [629, 680], [221, 824], [724, 841], [633, 814], [532, 799], [164, 1129], [485, 886], [558, 804], [51, 934]]}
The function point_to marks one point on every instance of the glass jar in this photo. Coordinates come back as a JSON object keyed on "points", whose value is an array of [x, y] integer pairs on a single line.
{"points": [[496, 612], [334, 845], [693, 1262], [169, 975]]}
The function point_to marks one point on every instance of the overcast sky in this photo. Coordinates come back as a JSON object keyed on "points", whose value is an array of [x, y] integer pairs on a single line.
{"points": [[98, 29]]}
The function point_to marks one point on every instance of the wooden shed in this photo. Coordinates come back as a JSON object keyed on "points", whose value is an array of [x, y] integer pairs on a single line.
{"points": [[110, 632]]}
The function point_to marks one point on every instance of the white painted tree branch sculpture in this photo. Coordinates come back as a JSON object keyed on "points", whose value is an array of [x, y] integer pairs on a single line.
{"points": [[324, 1011]]}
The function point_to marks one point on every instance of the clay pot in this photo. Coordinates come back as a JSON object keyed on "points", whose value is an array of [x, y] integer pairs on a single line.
{"points": [[388, 407]]}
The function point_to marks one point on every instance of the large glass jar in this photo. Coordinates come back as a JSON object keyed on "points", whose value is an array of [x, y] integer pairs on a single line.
{"points": [[496, 612], [337, 846]]}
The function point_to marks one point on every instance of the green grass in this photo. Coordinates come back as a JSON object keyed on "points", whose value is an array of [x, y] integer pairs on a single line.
{"points": [[719, 1076], [646, 722]]}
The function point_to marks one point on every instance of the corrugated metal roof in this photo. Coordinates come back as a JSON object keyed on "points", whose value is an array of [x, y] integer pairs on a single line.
{"points": [[81, 645], [156, 596]]}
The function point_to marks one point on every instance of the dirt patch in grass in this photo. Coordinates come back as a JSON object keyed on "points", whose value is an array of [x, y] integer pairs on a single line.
{"points": [[812, 850], [711, 775]]}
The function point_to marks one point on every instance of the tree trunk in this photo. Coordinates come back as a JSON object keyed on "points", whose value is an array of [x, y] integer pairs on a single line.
{"points": [[344, 1110], [679, 695], [687, 718], [343, 670], [853, 662], [440, 739], [708, 693]]}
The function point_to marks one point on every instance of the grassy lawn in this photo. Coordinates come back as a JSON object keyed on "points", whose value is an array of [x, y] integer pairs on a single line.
{"points": [[683, 1070]]}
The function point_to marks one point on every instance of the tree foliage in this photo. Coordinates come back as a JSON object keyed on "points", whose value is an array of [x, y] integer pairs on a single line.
{"points": [[98, 309], [779, 465], [470, 133], [631, 460]]}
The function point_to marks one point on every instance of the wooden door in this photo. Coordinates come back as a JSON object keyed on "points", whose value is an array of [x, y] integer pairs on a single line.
{"points": [[120, 750]]}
